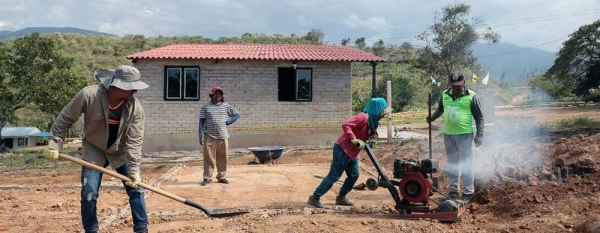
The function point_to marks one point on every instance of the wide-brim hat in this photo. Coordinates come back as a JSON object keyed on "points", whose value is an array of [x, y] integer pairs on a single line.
{"points": [[123, 77]]}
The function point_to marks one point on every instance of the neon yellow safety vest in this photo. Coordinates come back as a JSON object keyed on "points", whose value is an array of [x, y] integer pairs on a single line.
{"points": [[458, 118]]}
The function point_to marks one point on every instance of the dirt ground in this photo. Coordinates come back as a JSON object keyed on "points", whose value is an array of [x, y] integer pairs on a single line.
{"points": [[526, 181]]}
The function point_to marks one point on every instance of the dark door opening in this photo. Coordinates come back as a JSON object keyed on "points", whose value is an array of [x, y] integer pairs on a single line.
{"points": [[8, 142]]}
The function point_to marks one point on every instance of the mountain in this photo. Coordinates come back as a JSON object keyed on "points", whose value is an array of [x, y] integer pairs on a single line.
{"points": [[4, 32], [514, 61], [48, 30]]}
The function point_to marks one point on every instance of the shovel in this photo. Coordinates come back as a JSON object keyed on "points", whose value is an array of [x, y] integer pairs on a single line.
{"points": [[216, 213], [433, 179]]}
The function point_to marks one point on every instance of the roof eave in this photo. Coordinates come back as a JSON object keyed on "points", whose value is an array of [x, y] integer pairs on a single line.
{"points": [[272, 59]]}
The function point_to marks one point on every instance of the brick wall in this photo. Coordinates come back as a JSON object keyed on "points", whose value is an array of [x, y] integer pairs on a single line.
{"points": [[250, 86]]}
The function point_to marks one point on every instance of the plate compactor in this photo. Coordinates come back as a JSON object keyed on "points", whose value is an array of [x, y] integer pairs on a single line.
{"points": [[416, 188]]}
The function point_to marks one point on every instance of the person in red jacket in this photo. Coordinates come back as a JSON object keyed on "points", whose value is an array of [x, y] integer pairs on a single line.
{"points": [[355, 131]]}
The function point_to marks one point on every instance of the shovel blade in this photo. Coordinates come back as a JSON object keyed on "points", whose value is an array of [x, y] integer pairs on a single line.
{"points": [[223, 213]]}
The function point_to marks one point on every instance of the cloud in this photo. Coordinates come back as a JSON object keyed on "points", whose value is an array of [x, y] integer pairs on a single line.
{"points": [[303, 21], [394, 21], [152, 10], [373, 23], [12, 5], [381, 36], [58, 13], [5, 25]]}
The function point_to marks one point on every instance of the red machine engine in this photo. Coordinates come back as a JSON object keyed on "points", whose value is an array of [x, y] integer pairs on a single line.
{"points": [[415, 185], [416, 189]]}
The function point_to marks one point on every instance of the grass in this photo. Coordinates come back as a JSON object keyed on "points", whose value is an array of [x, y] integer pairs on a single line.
{"points": [[32, 158], [578, 122]]}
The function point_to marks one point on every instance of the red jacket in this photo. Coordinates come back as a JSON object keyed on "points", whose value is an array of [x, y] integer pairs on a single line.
{"points": [[355, 127]]}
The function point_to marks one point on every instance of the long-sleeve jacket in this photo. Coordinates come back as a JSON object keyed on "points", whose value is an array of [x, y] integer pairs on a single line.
{"points": [[92, 101], [355, 127], [475, 110]]}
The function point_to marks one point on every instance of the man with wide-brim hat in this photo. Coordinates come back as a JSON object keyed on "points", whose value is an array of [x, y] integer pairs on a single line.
{"points": [[113, 134]]}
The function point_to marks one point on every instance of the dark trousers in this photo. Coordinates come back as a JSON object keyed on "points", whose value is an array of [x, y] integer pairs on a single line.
{"points": [[460, 162], [341, 163]]}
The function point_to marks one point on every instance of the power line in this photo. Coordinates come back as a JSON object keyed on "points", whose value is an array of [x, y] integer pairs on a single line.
{"points": [[538, 20], [501, 24], [519, 50], [543, 18]]}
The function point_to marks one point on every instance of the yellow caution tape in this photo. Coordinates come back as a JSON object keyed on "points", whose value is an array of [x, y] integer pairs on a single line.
{"points": [[396, 119]]}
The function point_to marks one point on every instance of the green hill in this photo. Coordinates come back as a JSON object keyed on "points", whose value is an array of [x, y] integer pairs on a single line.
{"points": [[5, 34]]}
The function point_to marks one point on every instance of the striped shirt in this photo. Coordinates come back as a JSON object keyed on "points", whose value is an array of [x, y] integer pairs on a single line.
{"points": [[114, 121], [216, 116]]}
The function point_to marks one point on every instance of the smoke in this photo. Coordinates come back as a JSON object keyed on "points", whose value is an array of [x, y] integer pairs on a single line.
{"points": [[511, 150], [510, 145]]}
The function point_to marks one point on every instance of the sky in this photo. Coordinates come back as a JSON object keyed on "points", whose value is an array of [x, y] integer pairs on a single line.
{"points": [[543, 24]]}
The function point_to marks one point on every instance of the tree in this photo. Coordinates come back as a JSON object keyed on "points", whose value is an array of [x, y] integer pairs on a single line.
{"points": [[544, 90], [315, 35], [34, 71], [449, 41], [578, 62], [247, 35], [345, 41], [360, 43], [406, 86], [378, 47]]}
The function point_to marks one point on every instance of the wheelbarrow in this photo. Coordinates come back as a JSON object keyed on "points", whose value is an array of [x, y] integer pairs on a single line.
{"points": [[265, 154]]}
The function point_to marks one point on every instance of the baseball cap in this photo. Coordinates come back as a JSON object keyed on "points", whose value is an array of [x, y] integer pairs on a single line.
{"points": [[456, 79], [215, 89]]}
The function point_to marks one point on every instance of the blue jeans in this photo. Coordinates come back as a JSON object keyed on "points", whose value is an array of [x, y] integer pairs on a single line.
{"points": [[341, 162], [90, 183]]}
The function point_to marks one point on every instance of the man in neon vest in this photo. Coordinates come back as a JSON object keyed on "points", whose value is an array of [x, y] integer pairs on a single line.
{"points": [[459, 107]]}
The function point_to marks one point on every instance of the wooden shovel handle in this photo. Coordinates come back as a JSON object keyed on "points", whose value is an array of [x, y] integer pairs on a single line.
{"points": [[121, 177], [220, 213]]}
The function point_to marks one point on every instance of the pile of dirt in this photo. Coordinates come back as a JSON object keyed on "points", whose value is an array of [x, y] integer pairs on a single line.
{"points": [[533, 163], [577, 155]]}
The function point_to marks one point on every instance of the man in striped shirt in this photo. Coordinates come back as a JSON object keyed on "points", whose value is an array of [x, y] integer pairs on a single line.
{"points": [[215, 116]]}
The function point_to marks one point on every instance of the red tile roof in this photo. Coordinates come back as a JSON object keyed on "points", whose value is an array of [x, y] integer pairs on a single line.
{"points": [[259, 52]]}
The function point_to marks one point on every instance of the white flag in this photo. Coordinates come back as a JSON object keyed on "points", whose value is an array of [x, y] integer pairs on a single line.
{"points": [[434, 82], [486, 79]]}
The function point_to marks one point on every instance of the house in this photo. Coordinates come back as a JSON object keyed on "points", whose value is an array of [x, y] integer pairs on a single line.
{"points": [[22, 137], [279, 85]]}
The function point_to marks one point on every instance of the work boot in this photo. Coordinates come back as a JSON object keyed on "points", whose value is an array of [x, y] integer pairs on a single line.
{"points": [[453, 195], [466, 198], [205, 182], [339, 200], [224, 181], [314, 201]]}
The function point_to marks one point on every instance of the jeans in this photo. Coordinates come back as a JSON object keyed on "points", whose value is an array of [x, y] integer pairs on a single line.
{"points": [[341, 162], [460, 162], [90, 183]]}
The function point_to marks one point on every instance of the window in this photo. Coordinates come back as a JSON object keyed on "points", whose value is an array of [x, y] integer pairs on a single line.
{"points": [[295, 84], [182, 83]]}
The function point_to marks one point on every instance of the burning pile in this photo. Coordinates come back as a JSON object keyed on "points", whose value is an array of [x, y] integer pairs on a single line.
{"points": [[577, 154], [529, 163]]}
